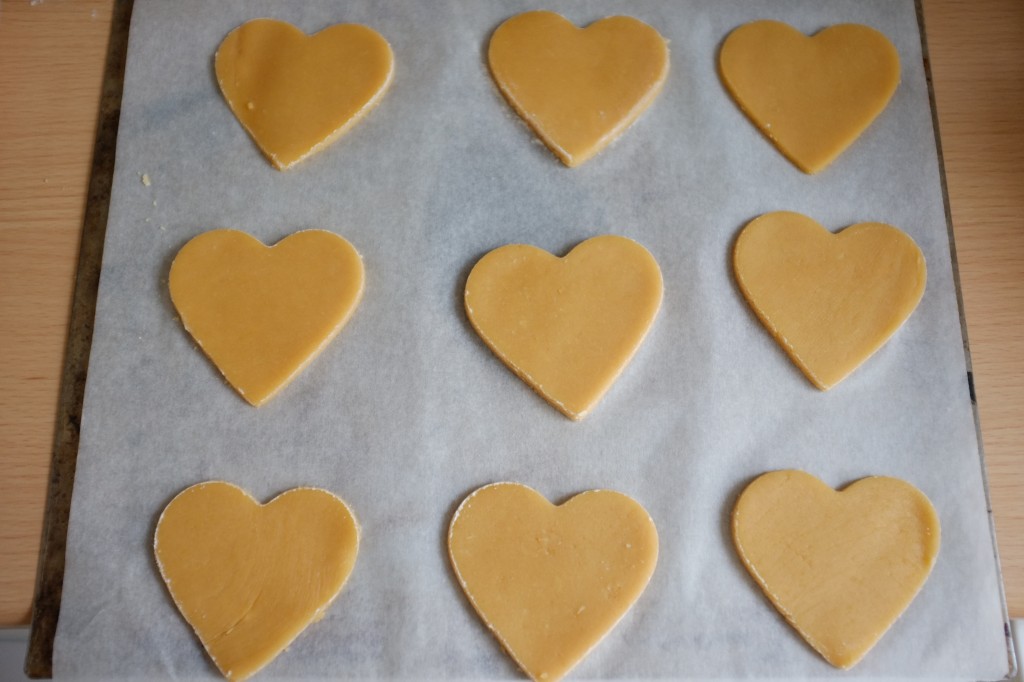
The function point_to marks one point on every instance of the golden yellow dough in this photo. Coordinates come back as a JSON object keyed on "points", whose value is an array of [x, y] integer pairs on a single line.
{"points": [[295, 94], [550, 582], [566, 326], [261, 314], [840, 566], [830, 300], [578, 89], [248, 577], [811, 96]]}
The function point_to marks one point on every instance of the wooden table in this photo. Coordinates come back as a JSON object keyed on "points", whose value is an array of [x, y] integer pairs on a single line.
{"points": [[51, 62]]}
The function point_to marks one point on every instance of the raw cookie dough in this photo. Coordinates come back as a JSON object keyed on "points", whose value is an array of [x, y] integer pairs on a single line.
{"points": [[295, 94], [578, 89], [840, 566], [811, 96], [566, 326], [830, 300], [550, 582], [248, 577], [261, 314]]}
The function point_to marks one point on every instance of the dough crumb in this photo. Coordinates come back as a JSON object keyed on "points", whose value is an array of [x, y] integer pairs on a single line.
{"points": [[145, 179]]}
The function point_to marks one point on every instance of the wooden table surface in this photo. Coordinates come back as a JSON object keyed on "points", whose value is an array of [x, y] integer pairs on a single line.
{"points": [[51, 62]]}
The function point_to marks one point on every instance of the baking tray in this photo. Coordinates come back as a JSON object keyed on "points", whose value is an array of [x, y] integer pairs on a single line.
{"points": [[47, 604]]}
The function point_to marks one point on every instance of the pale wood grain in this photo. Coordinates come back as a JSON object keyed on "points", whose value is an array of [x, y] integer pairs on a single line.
{"points": [[51, 62], [977, 56]]}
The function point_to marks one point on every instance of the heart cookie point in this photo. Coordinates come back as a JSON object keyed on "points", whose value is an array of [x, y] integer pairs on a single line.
{"points": [[566, 326], [811, 96], [235, 568], [551, 581], [261, 314], [578, 89], [829, 300], [841, 567], [296, 94]]}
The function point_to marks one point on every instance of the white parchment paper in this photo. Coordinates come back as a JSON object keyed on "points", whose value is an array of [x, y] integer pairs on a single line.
{"points": [[407, 411]]}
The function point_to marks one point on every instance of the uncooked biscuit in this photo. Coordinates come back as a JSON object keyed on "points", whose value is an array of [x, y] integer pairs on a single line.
{"points": [[296, 94], [566, 326], [551, 581], [830, 300], [840, 566], [248, 577], [811, 96], [260, 313], [578, 89]]}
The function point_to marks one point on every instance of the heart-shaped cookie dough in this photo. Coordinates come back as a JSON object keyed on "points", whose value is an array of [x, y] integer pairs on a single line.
{"points": [[811, 96], [830, 300], [248, 577], [296, 94], [566, 326], [840, 566], [578, 89], [261, 314], [550, 582]]}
